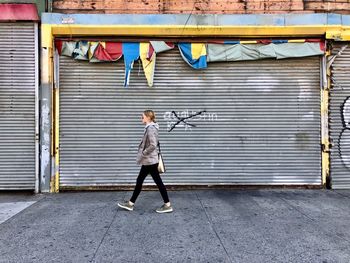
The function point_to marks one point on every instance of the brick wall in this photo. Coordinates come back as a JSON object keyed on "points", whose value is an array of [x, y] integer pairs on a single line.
{"points": [[201, 6]]}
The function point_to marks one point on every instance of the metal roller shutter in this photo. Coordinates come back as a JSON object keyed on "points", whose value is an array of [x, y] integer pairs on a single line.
{"points": [[339, 118], [17, 105], [261, 125]]}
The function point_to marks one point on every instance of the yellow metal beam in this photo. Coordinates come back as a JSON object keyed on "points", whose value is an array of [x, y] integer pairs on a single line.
{"points": [[336, 32], [325, 135], [326, 83], [46, 35], [342, 34], [183, 31]]}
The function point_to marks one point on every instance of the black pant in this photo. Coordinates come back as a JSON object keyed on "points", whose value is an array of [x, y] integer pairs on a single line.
{"points": [[153, 170]]}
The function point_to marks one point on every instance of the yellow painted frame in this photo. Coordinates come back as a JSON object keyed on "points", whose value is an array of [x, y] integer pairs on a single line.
{"points": [[324, 119], [49, 31], [337, 32], [56, 135]]}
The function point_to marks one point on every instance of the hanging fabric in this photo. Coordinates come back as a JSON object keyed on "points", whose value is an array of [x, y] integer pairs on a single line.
{"points": [[238, 52], [68, 48], [92, 48], [162, 46], [148, 59], [81, 50], [131, 52], [195, 54], [107, 51]]}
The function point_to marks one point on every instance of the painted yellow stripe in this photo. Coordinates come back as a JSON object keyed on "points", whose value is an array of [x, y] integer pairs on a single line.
{"points": [[296, 41], [248, 42]]}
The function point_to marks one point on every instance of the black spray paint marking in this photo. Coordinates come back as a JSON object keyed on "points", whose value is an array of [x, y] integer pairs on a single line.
{"points": [[344, 136], [182, 120]]}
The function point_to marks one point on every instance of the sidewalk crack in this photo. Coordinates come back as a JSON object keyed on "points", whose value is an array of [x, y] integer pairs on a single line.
{"points": [[341, 194], [105, 234], [213, 228], [284, 200], [314, 221]]}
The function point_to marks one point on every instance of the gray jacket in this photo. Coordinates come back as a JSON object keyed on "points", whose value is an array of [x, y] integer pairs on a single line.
{"points": [[148, 148]]}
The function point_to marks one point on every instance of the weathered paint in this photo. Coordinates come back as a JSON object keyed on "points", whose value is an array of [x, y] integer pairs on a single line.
{"points": [[287, 25], [57, 138], [326, 84], [342, 34], [18, 12], [324, 119], [40, 4], [338, 32], [325, 135], [45, 109], [199, 6], [198, 20], [45, 173]]}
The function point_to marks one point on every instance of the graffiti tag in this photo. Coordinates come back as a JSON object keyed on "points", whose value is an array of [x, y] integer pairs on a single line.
{"points": [[344, 137], [181, 118]]}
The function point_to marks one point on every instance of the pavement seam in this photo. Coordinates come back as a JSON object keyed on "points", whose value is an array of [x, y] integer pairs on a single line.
{"points": [[213, 228], [284, 200], [341, 194], [262, 236], [105, 234], [315, 221]]}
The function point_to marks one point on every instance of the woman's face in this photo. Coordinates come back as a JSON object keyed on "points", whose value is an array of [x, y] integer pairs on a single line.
{"points": [[145, 119]]}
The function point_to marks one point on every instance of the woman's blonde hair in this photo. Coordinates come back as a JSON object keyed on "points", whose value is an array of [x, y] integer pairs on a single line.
{"points": [[150, 114]]}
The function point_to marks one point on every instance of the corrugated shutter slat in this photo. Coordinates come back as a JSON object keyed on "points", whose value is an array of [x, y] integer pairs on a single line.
{"points": [[261, 125], [339, 131], [17, 106]]}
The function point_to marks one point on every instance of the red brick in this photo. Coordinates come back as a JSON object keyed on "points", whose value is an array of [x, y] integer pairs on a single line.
{"points": [[200, 6]]}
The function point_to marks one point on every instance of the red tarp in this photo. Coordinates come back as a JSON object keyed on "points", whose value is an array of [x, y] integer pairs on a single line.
{"points": [[112, 52], [18, 12]]}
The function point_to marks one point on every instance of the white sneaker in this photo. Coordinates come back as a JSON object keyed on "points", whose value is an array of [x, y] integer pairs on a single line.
{"points": [[126, 205], [165, 209]]}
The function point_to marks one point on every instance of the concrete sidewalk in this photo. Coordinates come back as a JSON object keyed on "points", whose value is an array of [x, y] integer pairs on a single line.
{"points": [[206, 226]]}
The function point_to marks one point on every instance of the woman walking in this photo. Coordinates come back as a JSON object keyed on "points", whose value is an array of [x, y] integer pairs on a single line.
{"points": [[147, 156]]}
